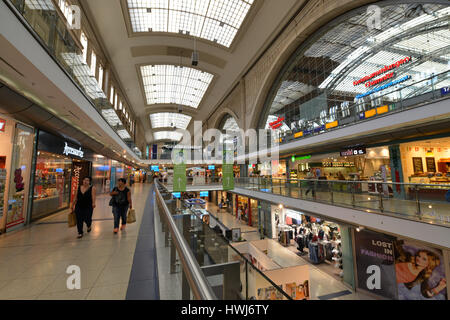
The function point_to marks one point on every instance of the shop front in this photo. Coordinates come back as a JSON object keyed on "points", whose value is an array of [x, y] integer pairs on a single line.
{"points": [[60, 166], [326, 244], [399, 269], [224, 200], [246, 209], [427, 162], [16, 153]]}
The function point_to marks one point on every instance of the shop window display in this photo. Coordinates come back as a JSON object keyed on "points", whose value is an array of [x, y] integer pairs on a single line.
{"points": [[52, 183]]}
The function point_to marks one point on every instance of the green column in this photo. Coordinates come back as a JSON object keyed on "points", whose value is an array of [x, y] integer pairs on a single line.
{"points": [[179, 170]]}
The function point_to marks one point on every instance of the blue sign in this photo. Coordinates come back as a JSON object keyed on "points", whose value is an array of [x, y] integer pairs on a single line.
{"points": [[211, 167], [59, 170], [445, 91], [204, 193], [176, 195], [155, 168]]}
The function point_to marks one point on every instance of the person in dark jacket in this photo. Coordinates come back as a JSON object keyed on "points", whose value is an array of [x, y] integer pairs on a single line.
{"points": [[122, 201], [84, 204]]}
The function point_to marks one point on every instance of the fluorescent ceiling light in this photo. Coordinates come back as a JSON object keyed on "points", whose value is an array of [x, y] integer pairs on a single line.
{"points": [[170, 119], [214, 20], [167, 135], [169, 84]]}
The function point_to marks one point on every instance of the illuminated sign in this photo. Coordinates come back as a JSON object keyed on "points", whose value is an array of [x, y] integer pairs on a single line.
{"points": [[69, 150], [176, 195], [390, 84], [155, 168], [353, 152], [383, 70], [2, 125], [277, 123], [300, 158], [211, 167], [204, 193]]}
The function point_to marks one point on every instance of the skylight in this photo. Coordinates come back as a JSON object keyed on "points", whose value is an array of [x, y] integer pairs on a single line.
{"points": [[214, 20], [167, 135], [123, 134], [169, 84], [168, 119], [40, 5]]}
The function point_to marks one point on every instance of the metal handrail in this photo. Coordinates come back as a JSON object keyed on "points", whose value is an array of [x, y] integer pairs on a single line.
{"points": [[194, 275]]}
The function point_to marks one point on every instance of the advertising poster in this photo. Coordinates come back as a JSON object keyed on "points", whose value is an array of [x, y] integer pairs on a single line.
{"points": [[420, 272], [227, 171], [179, 170], [375, 263]]}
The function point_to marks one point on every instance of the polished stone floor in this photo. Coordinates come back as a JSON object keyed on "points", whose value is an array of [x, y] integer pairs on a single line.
{"points": [[34, 260]]}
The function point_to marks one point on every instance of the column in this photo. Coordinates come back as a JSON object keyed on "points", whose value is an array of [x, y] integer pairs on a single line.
{"points": [[249, 212]]}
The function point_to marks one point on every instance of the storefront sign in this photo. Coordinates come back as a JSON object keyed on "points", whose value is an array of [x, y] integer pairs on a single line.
{"points": [[300, 158], [277, 123], [337, 164], [68, 150], [353, 151], [383, 70], [2, 125], [375, 263], [390, 84]]}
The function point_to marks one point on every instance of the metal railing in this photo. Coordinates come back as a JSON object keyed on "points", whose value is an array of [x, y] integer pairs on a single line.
{"points": [[197, 281], [249, 273], [423, 202]]}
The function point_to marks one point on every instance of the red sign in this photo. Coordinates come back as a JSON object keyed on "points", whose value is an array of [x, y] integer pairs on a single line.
{"points": [[382, 70], [277, 123], [2, 125]]}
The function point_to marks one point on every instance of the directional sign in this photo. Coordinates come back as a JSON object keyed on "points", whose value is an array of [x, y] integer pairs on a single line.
{"points": [[179, 171], [227, 171]]}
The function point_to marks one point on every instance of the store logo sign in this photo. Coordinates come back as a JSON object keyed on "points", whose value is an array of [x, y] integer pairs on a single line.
{"points": [[382, 71], [277, 123], [353, 152], [68, 150], [2, 125]]}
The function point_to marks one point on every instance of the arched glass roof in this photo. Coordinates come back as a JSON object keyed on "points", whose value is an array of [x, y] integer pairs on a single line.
{"points": [[170, 119], [214, 20], [170, 84]]}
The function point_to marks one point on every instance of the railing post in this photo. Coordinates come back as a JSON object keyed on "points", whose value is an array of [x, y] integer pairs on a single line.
{"points": [[314, 190], [331, 191], [380, 198], [353, 193], [419, 211]]}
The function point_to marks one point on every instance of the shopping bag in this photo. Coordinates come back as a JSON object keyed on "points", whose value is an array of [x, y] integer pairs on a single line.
{"points": [[72, 220], [131, 218]]}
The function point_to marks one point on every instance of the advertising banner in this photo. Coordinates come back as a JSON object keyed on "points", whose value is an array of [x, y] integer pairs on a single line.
{"points": [[420, 272], [179, 170], [375, 263], [227, 171]]}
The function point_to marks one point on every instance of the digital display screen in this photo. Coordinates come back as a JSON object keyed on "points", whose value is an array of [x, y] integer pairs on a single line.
{"points": [[155, 168], [211, 167], [204, 193], [176, 195]]}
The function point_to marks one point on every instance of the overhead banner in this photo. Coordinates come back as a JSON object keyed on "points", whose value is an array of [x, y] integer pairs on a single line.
{"points": [[227, 171], [375, 263], [179, 170]]}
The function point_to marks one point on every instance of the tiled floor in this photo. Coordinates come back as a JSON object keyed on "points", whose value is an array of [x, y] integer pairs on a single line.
{"points": [[34, 260]]}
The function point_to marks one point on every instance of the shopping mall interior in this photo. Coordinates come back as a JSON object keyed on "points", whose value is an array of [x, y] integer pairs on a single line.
{"points": [[224, 150]]}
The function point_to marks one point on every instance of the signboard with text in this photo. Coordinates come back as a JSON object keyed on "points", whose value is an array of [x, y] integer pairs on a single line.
{"points": [[179, 171], [227, 171]]}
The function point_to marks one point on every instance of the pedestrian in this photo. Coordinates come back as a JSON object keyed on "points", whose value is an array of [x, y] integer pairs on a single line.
{"points": [[310, 177], [84, 204], [121, 201], [239, 213]]}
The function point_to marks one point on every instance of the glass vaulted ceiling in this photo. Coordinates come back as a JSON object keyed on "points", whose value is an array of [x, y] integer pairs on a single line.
{"points": [[214, 20], [169, 84], [170, 119]]}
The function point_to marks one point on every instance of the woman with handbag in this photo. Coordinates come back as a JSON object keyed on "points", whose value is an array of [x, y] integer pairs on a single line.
{"points": [[83, 205], [121, 200]]}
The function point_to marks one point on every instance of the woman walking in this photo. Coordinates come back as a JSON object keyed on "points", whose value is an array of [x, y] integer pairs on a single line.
{"points": [[84, 205], [120, 203]]}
